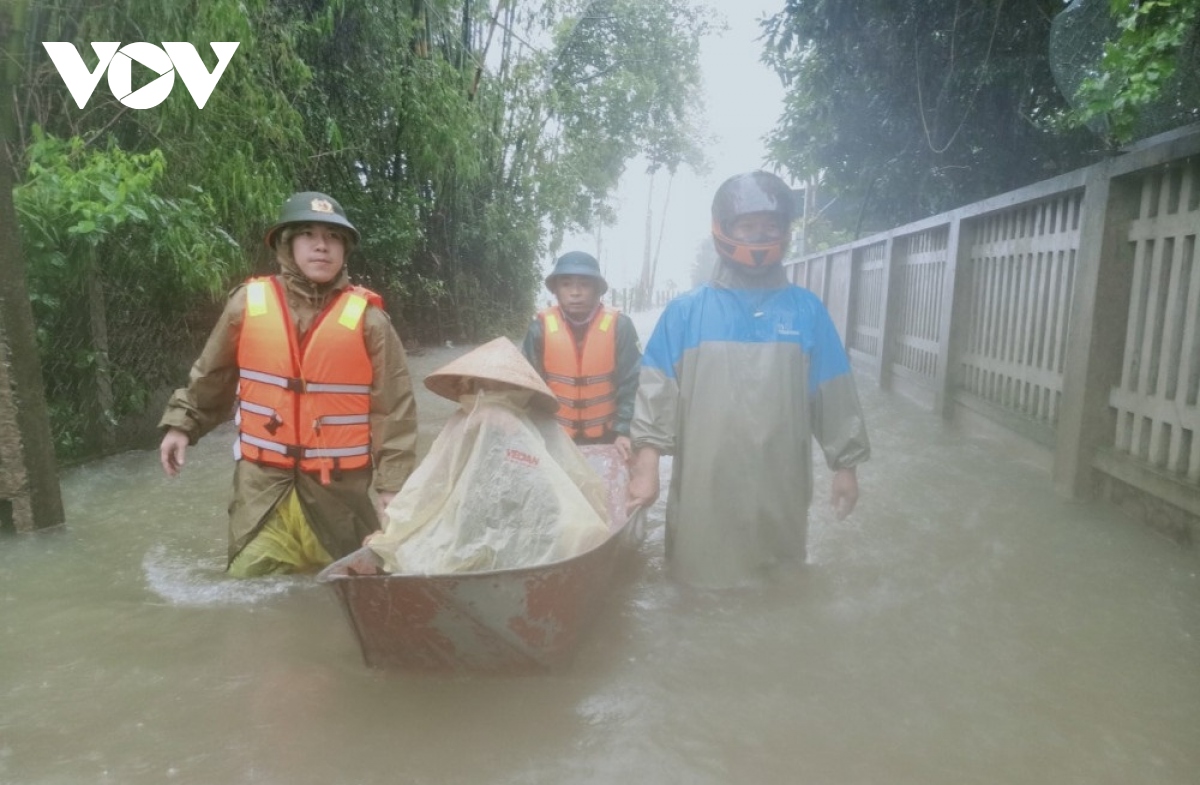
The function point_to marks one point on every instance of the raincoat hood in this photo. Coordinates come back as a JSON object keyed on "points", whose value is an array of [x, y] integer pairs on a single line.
{"points": [[731, 275], [316, 294]]}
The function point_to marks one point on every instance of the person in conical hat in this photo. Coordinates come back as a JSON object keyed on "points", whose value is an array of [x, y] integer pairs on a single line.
{"points": [[496, 365], [502, 485], [325, 406], [588, 353]]}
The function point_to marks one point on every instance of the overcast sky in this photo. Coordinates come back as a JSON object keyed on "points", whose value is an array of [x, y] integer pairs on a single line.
{"points": [[743, 99]]}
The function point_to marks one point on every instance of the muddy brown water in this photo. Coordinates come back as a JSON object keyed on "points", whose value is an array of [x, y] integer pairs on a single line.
{"points": [[965, 625]]}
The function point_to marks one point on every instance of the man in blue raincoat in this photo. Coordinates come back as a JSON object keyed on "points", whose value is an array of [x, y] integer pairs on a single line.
{"points": [[738, 378]]}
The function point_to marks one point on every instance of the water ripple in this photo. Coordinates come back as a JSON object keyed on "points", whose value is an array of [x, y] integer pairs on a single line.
{"points": [[181, 580]]}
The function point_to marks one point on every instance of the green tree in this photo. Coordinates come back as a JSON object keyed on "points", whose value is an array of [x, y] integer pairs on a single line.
{"points": [[462, 137], [80, 209], [18, 342], [1130, 69], [907, 108], [625, 76], [245, 148]]}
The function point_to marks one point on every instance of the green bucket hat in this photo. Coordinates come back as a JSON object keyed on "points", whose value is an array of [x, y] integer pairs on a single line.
{"points": [[577, 263], [309, 207]]}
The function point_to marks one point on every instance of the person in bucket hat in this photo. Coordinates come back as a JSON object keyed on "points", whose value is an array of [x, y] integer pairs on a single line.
{"points": [[588, 353], [739, 377], [323, 403]]}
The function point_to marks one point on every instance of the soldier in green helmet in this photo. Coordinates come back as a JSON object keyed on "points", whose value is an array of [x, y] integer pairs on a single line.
{"points": [[316, 378]]}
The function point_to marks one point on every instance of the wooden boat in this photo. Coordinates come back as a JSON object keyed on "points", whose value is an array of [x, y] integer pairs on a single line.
{"points": [[513, 620]]}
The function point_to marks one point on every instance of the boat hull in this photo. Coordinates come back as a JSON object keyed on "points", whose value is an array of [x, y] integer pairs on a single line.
{"points": [[515, 620]]}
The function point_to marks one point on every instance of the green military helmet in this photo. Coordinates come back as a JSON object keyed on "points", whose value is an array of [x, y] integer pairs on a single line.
{"points": [[309, 207], [577, 263]]}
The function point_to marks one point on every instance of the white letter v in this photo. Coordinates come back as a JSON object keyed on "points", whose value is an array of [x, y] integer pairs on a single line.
{"points": [[80, 81], [196, 77]]}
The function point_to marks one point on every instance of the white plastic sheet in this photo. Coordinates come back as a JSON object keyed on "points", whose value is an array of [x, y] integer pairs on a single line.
{"points": [[500, 488]]}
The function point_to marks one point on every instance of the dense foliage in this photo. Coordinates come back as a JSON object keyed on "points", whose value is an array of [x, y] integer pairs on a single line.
{"points": [[465, 137], [1140, 73], [462, 137], [906, 108]]}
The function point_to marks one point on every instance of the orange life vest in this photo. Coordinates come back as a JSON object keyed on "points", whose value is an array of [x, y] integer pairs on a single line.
{"points": [[306, 404], [584, 379]]}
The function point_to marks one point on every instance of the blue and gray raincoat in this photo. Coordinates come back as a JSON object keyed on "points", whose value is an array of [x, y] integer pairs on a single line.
{"points": [[737, 379]]}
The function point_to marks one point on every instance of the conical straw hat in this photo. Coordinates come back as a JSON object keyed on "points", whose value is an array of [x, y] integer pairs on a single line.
{"points": [[499, 360]]}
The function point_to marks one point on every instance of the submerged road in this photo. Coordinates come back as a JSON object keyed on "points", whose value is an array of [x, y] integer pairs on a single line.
{"points": [[964, 625]]}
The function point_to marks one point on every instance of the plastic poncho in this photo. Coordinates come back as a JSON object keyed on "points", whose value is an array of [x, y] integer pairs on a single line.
{"points": [[500, 488]]}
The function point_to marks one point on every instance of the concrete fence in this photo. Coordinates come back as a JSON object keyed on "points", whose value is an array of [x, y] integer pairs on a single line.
{"points": [[1067, 311]]}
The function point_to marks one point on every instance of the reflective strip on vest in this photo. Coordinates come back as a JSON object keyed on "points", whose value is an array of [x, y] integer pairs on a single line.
{"points": [[336, 452], [265, 444], [265, 411], [566, 423], [342, 419], [586, 402], [582, 378], [580, 381], [314, 452], [353, 389], [299, 384], [285, 382], [304, 404]]}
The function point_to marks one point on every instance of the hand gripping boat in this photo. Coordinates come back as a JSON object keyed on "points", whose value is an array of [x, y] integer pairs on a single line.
{"points": [[514, 620]]}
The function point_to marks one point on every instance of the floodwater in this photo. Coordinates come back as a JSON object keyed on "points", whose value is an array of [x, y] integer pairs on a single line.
{"points": [[963, 626]]}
